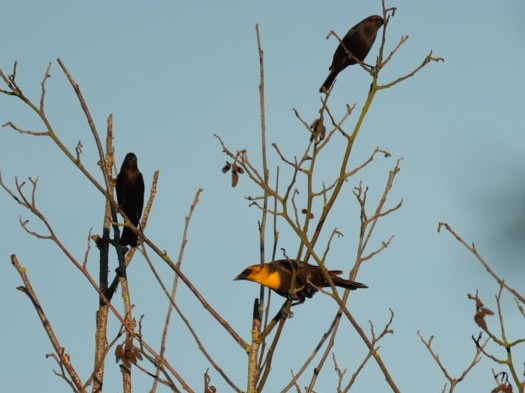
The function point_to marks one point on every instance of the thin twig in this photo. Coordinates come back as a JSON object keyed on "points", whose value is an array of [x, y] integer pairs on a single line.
{"points": [[190, 328], [452, 380], [174, 287], [474, 251]]}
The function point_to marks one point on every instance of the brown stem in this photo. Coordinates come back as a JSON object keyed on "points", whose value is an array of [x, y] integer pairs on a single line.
{"points": [[60, 352]]}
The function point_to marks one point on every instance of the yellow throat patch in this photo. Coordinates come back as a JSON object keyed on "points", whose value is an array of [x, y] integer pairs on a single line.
{"points": [[265, 277]]}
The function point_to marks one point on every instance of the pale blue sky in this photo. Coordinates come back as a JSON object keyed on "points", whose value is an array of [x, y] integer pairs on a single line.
{"points": [[173, 74]]}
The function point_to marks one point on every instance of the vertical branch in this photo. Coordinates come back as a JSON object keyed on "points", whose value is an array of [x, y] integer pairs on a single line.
{"points": [[253, 366], [103, 246], [274, 251], [100, 346], [262, 225], [128, 317], [174, 288], [263, 136]]}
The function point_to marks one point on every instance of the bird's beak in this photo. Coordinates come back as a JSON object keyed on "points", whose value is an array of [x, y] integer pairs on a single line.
{"points": [[241, 276]]}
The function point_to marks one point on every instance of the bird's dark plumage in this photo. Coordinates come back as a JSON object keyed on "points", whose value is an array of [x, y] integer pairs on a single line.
{"points": [[358, 42], [130, 196], [277, 275]]}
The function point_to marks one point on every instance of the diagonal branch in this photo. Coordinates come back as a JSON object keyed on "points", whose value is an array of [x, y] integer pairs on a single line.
{"points": [[64, 358], [474, 251]]}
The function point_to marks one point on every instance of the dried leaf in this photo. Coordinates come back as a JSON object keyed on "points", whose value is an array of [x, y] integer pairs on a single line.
{"points": [[127, 353], [479, 318], [318, 129], [119, 352], [503, 388]]}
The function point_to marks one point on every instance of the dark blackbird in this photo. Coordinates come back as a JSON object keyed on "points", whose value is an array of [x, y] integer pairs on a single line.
{"points": [[277, 275], [130, 196], [358, 42]]}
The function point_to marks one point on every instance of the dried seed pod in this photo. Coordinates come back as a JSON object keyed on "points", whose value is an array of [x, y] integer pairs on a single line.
{"points": [[235, 178], [226, 167], [238, 169], [310, 215]]}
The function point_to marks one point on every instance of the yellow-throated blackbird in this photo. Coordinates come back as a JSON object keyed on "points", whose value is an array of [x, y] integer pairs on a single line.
{"points": [[358, 42], [277, 275], [130, 196]]}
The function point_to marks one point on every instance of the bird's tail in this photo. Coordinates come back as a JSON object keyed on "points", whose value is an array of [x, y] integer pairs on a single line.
{"points": [[328, 82], [341, 282], [128, 238]]}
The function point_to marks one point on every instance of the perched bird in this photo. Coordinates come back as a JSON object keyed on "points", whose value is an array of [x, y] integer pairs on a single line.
{"points": [[130, 196], [358, 42], [277, 275]]}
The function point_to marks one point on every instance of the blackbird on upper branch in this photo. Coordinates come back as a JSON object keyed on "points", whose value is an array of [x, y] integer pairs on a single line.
{"points": [[130, 196], [358, 42]]}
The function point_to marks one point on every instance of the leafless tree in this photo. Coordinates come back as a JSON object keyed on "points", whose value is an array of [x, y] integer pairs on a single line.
{"points": [[296, 204]]}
